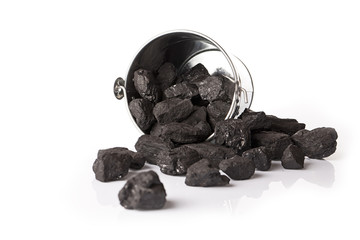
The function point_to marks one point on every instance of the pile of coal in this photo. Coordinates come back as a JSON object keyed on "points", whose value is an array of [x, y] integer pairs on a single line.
{"points": [[183, 107], [178, 113], [143, 191]]}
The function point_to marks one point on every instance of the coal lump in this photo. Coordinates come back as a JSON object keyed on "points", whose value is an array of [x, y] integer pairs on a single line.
{"points": [[203, 174], [293, 158], [318, 143], [112, 164], [260, 158], [238, 168], [143, 191]]}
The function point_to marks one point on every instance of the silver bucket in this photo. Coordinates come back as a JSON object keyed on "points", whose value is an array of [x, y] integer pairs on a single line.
{"points": [[185, 49]]}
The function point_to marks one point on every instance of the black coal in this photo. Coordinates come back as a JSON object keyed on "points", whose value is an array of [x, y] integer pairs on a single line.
{"points": [[178, 111]]}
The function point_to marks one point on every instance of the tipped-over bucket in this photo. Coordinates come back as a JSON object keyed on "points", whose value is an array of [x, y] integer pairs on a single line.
{"points": [[185, 49]]}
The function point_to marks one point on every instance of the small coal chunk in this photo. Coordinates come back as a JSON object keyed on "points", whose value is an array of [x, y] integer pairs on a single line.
{"points": [[141, 110], [172, 110], [166, 75], [217, 111], [293, 158], [274, 142], [284, 125], [143, 191], [144, 82], [181, 90], [185, 133], [138, 161], [254, 120], [213, 152], [112, 164], [233, 133], [150, 147], [197, 116], [260, 158], [176, 161], [203, 174], [195, 74], [211, 89], [238, 168], [317, 143]]}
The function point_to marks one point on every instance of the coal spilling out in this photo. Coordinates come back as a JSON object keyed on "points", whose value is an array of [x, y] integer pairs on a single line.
{"points": [[178, 113]]}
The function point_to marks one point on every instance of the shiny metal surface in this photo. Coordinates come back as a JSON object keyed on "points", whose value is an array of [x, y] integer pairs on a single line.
{"points": [[119, 88], [185, 49]]}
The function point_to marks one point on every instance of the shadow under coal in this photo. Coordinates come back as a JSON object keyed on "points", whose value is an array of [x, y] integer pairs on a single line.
{"points": [[318, 172]]}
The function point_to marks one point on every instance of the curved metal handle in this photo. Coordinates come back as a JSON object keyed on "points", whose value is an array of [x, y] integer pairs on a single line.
{"points": [[243, 91], [119, 88]]}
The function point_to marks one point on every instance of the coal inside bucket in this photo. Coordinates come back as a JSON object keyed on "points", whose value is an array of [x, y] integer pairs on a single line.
{"points": [[184, 50]]}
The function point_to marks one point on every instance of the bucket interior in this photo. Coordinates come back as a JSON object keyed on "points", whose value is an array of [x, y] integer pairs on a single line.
{"points": [[184, 50]]}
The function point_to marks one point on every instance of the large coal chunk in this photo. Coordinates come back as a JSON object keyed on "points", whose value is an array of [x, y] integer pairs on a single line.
{"points": [[176, 161], [143, 191], [213, 152], [172, 110], [199, 115], [317, 143], [112, 164], [255, 120], [217, 111], [144, 82], [233, 133], [141, 110], [274, 142], [181, 90], [166, 75], [185, 133], [211, 89], [150, 147], [195, 74], [238, 168], [293, 158], [203, 174], [284, 125], [259, 157]]}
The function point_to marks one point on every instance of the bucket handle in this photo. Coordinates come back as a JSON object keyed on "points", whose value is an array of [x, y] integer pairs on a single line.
{"points": [[119, 88]]}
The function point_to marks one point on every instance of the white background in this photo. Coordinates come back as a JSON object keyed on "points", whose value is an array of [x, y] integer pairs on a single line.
{"points": [[58, 62]]}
